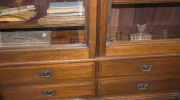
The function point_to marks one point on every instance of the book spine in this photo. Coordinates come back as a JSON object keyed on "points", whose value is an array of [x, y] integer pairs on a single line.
{"points": [[66, 4], [56, 22], [66, 10]]}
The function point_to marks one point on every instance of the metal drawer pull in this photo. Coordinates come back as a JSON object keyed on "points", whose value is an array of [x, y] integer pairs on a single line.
{"points": [[142, 86], [45, 74], [146, 68], [49, 93]]}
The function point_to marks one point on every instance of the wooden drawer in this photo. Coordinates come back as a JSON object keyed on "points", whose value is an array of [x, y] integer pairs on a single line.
{"points": [[49, 91], [45, 73], [134, 84], [170, 95], [140, 67]]}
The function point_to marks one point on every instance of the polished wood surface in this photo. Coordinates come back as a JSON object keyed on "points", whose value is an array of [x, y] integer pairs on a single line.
{"points": [[126, 85], [142, 1], [92, 27], [44, 55], [30, 74], [93, 68], [103, 12], [142, 49], [132, 67], [152, 96], [98, 59], [31, 92]]}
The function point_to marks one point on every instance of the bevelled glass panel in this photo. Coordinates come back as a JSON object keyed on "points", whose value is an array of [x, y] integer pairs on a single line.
{"points": [[43, 23], [143, 22]]}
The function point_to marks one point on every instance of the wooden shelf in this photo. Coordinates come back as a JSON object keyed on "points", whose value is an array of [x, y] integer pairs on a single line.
{"points": [[143, 1], [33, 24]]}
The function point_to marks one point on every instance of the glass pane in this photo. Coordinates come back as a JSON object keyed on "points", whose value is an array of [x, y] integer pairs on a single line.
{"points": [[144, 22], [43, 22]]}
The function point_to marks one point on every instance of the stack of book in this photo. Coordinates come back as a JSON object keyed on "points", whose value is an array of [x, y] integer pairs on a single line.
{"points": [[64, 13], [21, 13]]}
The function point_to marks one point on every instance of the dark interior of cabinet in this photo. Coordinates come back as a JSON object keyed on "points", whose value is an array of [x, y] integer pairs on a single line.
{"points": [[161, 17], [61, 34]]}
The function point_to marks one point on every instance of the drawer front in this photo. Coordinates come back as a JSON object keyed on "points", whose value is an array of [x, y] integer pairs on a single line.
{"points": [[25, 38], [170, 95], [50, 91], [140, 67], [135, 85], [44, 73]]}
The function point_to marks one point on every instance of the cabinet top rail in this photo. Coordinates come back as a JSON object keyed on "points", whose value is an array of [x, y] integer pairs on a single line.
{"points": [[142, 1]]}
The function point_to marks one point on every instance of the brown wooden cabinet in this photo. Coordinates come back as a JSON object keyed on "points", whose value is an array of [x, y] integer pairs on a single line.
{"points": [[90, 50]]}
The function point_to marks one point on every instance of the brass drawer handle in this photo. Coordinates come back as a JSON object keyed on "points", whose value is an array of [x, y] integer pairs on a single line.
{"points": [[49, 93], [142, 86], [146, 68], [46, 74]]}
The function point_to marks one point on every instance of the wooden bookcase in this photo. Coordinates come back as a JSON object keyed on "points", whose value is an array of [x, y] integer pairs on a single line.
{"points": [[103, 63]]}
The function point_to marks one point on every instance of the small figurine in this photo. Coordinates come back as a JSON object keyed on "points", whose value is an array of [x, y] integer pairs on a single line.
{"points": [[165, 34], [118, 36], [141, 28], [141, 35], [151, 29]]}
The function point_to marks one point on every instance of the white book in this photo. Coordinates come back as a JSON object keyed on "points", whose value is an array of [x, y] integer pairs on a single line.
{"points": [[66, 4], [67, 14]]}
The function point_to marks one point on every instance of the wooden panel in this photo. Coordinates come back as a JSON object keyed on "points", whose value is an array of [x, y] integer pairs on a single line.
{"points": [[68, 37], [176, 19], [142, 1], [43, 7], [103, 16], [171, 95], [147, 96], [43, 55], [7, 3], [21, 74], [142, 49], [155, 15], [16, 3], [122, 17], [126, 85], [132, 67], [32, 92], [92, 25]]}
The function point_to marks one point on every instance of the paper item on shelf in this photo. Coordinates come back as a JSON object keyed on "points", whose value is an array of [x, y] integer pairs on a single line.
{"points": [[66, 4], [64, 18], [6, 10], [60, 20], [10, 18], [26, 8], [26, 15], [66, 14], [66, 10]]}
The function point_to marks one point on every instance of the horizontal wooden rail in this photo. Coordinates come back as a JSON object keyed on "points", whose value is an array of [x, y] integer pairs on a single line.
{"points": [[143, 1]]}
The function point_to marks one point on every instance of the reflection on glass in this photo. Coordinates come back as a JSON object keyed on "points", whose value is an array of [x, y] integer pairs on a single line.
{"points": [[32, 23], [144, 22]]}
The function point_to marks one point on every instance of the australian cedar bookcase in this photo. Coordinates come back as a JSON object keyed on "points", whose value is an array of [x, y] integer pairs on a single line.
{"points": [[124, 50]]}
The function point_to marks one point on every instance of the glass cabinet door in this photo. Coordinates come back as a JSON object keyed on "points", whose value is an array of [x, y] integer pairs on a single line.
{"points": [[143, 21], [43, 23]]}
